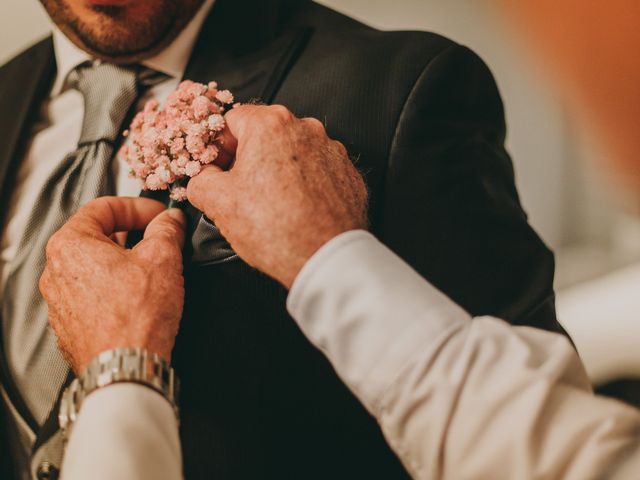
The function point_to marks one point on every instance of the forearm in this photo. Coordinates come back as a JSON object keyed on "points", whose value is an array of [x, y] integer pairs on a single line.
{"points": [[124, 431], [455, 398]]}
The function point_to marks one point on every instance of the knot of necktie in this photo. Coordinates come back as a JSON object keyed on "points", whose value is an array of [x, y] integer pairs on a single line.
{"points": [[109, 92]]}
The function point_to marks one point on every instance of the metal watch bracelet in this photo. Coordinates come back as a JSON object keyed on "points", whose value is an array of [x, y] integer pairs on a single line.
{"points": [[115, 366]]}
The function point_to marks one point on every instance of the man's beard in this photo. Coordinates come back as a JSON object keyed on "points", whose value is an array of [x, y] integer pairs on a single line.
{"points": [[116, 34]]}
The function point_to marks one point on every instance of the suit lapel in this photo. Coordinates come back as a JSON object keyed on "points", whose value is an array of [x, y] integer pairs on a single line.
{"points": [[24, 82], [244, 48], [250, 56]]}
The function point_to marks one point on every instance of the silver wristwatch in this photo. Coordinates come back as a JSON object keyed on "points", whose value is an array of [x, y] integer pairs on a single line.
{"points": [[113, 366]]}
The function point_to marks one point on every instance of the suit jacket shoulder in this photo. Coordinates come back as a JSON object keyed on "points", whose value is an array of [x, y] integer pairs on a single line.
{"points": [[423, 118], [33, 56], [344, 40], [326, 21]]}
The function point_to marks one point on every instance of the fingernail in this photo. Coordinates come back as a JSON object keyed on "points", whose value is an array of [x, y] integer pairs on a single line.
{"points": [[178, 215]]}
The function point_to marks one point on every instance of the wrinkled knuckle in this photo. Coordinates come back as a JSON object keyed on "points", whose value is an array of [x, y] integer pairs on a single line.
{"points": [[169, 228], [54, 245], [96, 204], [167, 249], [43, 285], [315, 125], [175, 228], [280, 114], [340, 148], [173, 232]]}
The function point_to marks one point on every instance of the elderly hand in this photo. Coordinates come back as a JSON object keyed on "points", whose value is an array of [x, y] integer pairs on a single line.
{"points": [[290, 190], [103, 296]]}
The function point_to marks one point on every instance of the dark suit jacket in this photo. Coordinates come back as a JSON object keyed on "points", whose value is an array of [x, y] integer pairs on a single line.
{"points": [[423, 120]]}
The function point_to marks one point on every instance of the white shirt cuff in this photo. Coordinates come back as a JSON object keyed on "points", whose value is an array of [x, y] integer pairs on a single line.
{"points": [[124, 430]]}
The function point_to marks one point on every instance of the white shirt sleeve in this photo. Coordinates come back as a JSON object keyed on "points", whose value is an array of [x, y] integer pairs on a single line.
{"points": [[124, 431], [455, 397]]}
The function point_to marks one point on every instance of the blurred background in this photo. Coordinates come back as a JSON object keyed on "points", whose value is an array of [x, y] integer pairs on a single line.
{"points": [[558, 164]]}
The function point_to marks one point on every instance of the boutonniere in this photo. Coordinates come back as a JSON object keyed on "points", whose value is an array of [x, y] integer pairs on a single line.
{"points": [[170, 145]]}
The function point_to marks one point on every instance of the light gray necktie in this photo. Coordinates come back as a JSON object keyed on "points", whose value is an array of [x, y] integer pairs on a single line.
{"points": [[30, 348]]}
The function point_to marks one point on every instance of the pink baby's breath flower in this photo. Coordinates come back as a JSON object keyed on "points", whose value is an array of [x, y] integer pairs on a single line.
{"points": [[137, 122], [224, 96], [215, 122], [193, 168], [195, 145], [183, 93], [196, 89], [165, 175], [210, 153], [174, 123], [179, 194], [178, 170], [167, 135], [183, 159], [171, 144], [148, 153], [150, 138], [177, 146], [153, 182], [151, 106], [140, 170], [195, 130], [163, 161], [201, 107]]}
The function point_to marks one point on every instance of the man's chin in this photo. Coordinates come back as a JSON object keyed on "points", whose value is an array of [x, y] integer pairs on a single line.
{"points": [[119, 54], [108, 36], [120, 31]]}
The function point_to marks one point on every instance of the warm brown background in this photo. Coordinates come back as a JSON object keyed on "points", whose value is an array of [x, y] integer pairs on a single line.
{"points": [[593, 50]]}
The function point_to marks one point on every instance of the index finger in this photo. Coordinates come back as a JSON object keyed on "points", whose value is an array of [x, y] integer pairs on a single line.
{"points": [[247, 123], [238, 118], [108, 215]]}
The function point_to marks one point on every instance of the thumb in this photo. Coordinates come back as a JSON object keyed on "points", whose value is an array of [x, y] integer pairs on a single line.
{"points": [[165, 234], [208, 190]]}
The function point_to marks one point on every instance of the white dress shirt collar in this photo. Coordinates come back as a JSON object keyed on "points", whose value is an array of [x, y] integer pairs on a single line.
{"points": [[171, 61]]}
